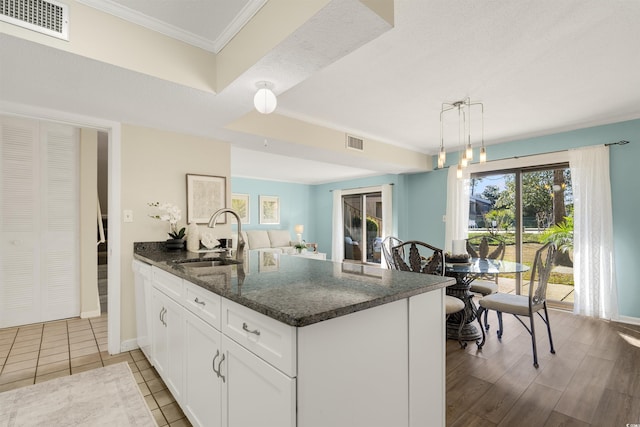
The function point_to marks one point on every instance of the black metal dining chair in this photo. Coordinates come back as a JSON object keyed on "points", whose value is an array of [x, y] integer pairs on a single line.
{"points": [[526, 305], [420, 257], [483, 247]]}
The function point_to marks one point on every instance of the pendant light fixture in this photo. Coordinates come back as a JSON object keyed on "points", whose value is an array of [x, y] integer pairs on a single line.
{"points": [[265, 100], [463, 108]]}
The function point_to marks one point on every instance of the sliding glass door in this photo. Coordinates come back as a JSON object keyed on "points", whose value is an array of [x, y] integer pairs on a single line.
{"points": [[362, 219], [525, 208]]}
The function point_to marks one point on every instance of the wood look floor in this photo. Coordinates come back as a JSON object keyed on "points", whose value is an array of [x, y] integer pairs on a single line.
{"points": [[592, 380]]}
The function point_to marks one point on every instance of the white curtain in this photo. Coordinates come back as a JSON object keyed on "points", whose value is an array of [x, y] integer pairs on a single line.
{"points": [[337, 243], [457, 223], [594, 268]]}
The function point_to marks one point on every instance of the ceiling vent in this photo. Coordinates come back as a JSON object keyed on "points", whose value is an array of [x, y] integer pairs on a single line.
{"points": [[355, 143], [46, 17]]}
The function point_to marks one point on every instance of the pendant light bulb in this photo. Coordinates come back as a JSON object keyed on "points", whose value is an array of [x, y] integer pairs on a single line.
{"points": [[442, 157], [464, 162], [469, 152], [483, 155], [459, 171]]}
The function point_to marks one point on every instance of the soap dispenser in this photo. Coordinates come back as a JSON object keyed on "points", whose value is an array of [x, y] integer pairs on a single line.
{"points": [[193, 237]]}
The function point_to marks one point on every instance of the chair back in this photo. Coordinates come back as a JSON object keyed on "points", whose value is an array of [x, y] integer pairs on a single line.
{"points": [[540, 272], [388, 243], [422, 258], [480, 247]]}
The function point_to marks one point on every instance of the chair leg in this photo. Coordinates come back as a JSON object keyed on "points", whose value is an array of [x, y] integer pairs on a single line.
{"points": [[500, 330], [486, 320], [481, 309], [546, 320], [533, 342]]}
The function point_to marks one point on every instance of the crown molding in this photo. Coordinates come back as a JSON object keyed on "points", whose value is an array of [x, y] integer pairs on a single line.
{"points": [[215, 46]]}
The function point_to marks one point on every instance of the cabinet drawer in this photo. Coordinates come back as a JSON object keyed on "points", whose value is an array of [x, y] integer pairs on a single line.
{"points": [[202, 303], [168, 283], [271, 340]]}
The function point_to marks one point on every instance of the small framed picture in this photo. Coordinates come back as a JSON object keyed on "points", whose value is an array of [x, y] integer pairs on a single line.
{"points": [[205, 195], [240, 204], [269, 210]]}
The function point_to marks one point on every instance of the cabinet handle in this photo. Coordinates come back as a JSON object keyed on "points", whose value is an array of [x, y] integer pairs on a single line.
{"points": [[220, 368], [245, 327], [199, 302], [164, 311], [213, 363]]}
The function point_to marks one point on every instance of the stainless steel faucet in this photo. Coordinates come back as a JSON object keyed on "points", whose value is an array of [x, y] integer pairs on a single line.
{"points": [[240, 240]]}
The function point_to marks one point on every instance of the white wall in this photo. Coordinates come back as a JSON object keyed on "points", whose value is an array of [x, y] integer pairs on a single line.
{"points": [[154, 168]]}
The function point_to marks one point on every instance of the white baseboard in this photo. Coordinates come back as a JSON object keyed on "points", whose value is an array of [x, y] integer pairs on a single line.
{"points": [[87, 314], [628, 319], [129, 345]]}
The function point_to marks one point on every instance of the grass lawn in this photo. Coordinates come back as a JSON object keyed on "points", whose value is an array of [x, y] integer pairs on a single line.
{"points": [[564, 275]]}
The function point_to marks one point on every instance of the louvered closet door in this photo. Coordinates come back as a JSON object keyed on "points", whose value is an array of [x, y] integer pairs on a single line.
{"points": [[19, 222], [39, 224], [60, 222]]}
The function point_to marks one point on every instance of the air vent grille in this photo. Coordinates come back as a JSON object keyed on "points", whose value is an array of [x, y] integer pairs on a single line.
{"points": [[355, 143], [46, 17]]}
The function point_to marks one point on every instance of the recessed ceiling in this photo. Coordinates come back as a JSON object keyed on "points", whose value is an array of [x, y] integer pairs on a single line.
{"points": [[539, 68]]}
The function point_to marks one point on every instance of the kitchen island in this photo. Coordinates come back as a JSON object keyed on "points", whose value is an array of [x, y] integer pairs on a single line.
{"points": [[291, 341]]}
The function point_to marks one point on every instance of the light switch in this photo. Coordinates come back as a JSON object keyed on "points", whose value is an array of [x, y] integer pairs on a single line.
{"points": [[444, 218], [127, 216]]}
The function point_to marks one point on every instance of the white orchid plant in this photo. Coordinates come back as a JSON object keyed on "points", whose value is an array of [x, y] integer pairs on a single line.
{"points": [[172, 214]]}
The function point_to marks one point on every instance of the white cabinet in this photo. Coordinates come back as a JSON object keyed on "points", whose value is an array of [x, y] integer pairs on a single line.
{"points": [[230, 366], [255, 393], [202, 382], [167, 341]]}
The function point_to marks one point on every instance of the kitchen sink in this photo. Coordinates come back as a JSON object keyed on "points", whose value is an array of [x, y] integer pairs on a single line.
{"points": [[206, 262]]}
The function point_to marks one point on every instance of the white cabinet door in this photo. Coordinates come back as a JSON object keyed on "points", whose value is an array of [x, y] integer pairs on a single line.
{"points": [[168, 340], [255, 393], [142, 283], [202, 384], [159, 341]]}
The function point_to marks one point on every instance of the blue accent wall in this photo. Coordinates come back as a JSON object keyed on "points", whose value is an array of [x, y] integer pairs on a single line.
{"points": [[296, 204], [420, 199]]}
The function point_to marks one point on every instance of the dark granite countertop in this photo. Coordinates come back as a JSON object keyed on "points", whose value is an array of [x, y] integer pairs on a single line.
{"points": [[295, 290]]}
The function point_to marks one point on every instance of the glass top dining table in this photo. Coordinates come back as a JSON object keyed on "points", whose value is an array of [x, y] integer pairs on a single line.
{"points": [[477, 266], [465, 274]]}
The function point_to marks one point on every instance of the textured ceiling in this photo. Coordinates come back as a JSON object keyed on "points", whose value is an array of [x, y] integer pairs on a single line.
{"points": [[539, 68]]}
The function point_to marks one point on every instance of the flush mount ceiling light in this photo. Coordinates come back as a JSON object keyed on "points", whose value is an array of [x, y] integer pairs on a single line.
{"points": [[463, 109], [265, 100]]}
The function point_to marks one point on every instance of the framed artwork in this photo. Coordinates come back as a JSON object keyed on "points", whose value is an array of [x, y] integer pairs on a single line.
{"points": [[240, 204], [269, 210], [269, 261], [205, 195]]}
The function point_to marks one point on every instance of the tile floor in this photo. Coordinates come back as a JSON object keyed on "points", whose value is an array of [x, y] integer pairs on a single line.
{"points": [[39, 352]]}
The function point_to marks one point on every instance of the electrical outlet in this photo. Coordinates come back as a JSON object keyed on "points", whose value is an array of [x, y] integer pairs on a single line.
{"points": [[127, 216]]}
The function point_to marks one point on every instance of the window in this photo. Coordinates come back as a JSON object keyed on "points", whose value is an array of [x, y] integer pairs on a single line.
{"points": [[524, 207], [362, 220]]}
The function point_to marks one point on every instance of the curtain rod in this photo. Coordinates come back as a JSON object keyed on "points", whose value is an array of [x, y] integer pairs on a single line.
{"points": [[358, 188], [622, 142]]}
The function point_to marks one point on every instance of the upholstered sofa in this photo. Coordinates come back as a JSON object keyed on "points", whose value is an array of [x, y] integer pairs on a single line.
{"points": [[269, 240]]}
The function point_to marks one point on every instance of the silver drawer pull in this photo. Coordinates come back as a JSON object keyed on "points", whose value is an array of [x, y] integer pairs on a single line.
{"points": [[220, 368], [245, 327], [199, 302]]}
